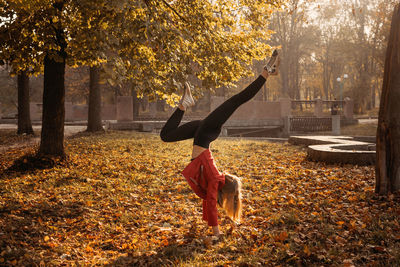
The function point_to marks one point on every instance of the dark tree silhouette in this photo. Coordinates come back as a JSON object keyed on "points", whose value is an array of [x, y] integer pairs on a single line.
{"points": [[388, 133], [94, 114], [24, 117]]}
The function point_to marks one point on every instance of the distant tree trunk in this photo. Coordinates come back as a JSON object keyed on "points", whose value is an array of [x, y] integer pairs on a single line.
{"points": [[284, 72], [160, 105], [388, 133], [52, 137], [94, 114], [372, 105], [326, 71], [24, 116], [136, 103], [144, 103]]}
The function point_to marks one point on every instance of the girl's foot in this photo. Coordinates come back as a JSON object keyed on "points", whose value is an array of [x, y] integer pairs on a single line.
{"points": [[187, 99], [273, 64]]}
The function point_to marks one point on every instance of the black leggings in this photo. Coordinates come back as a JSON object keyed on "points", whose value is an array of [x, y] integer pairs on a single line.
{"points": [[207, 130]]}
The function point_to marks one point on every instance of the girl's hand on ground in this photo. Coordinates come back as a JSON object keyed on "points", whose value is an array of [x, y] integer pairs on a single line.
{"points": [[216, 231]]}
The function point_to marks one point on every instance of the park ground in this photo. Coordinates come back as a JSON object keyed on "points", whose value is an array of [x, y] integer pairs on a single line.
{"points": [[119, 199]]}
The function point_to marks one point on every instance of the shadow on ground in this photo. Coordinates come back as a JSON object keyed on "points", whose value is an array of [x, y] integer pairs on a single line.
{"points": [[24, 228], [30, 163], [169, 255]]}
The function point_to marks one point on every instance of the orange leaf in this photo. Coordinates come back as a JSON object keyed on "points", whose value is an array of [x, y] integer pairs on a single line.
{"points": [[306, 250], [281, 237]]}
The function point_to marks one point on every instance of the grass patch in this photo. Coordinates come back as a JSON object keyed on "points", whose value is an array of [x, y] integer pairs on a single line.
{"points": [[368, 129], [365, 129]]}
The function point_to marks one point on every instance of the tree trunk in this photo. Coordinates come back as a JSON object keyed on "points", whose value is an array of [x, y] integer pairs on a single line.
{"points": [[284, 72], [94, 114], [388, 134], [24, 116], [326, 72], [136, 103], [52, 137], [160, 105]]}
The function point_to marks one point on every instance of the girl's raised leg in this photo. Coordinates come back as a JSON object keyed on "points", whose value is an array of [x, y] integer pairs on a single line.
{"points": [[210, 127], [172, 132]]}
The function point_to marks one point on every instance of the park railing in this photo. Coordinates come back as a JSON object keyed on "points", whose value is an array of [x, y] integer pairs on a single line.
{"points": [[320, 108], [310, 124]]}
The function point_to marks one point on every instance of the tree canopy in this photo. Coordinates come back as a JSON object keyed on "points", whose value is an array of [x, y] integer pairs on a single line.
{"points": [[324, 40], [154, 44]]}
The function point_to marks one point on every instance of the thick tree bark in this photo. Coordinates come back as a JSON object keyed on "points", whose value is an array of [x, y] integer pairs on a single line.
{"points": [[94, 114], [24, 116], [388, 133], [52, 136]]}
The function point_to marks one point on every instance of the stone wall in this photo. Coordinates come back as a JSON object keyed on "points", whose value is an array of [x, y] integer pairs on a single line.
{"points": [[108, 112], [253, 110], [124, 108], [36, 110], [80, 112], [69, 114]]}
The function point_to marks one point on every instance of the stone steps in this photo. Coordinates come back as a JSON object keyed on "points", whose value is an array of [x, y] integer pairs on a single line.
{"points": [[338, 149]]}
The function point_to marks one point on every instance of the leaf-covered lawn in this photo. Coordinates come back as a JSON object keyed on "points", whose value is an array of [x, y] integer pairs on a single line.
{"points": [[120, 200]]}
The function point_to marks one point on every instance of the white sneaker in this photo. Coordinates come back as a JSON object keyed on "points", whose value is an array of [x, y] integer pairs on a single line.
{"points": [[187, 99], [273, 63]]}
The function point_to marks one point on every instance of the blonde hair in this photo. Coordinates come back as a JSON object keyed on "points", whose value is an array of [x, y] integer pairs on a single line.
{"points": [[230, 197]]}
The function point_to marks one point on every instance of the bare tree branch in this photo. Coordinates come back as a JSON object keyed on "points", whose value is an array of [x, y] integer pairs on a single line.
{"points": [[176, 13]]}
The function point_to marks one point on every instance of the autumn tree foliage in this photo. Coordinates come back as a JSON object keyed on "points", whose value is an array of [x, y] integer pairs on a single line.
{"points": [[211, 41], [388, 134], [19, 67], [156, 44]]}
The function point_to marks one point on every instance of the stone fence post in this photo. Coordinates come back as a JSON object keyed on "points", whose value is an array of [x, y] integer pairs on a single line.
{"points": [[69, 111], [318, 108], [286, 126], [286, 107], [348, 109], [124, 108], [335, 124]]}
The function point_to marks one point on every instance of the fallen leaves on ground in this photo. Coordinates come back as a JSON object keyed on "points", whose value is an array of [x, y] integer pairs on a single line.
{"points": [[8, 139], [120, 200]]}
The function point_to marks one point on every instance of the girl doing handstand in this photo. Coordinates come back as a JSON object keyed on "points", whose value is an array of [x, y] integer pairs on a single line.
{"points": [[201, 173]]}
